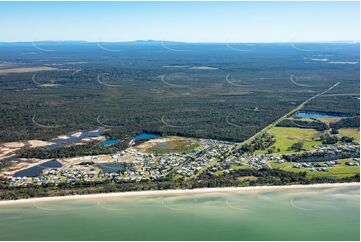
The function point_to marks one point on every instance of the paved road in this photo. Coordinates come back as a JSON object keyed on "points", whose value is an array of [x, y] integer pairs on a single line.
{"points": [[299, 107]]}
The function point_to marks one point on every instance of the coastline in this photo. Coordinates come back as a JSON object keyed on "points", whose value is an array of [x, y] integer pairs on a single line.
{"points": [[175, 191]]}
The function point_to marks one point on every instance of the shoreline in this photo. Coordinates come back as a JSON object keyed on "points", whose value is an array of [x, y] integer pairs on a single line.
{"points": [[175, 191]]}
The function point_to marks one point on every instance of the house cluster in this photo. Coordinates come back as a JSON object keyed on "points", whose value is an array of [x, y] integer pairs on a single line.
{"points": [[213, 151], [354, 162], [210, 157], [260, 161], [315, 166], [34, 181], [87, 172], [162, 165], [325, 154]]}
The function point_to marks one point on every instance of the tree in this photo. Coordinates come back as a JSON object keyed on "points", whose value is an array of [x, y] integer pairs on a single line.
{"points": [[346, 139], [297, 146], [328, 139]]}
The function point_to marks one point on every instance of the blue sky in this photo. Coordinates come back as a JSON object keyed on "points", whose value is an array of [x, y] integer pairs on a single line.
{"points": [[180, 21]]}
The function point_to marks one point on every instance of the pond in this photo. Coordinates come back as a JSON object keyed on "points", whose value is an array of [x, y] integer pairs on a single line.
{"points": [[108, 142], [89, 134], [113, 167], [71, 138], [147, 136], [38, 169], [318, 115]]}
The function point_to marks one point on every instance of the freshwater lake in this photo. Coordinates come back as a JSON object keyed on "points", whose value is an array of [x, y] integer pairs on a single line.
{"points": [[146, 136], [108, 142], [73, 139], [38, 169], [113, 167], [331, 213], [317, 115]]}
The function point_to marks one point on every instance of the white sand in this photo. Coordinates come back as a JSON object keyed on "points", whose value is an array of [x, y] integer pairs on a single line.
{"points": [[165, 192], [77, 134], [13, 144], [39, 143]]}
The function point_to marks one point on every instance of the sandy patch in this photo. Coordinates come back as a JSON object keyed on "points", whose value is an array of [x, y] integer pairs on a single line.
{"points": [[26, 69], [77, 134], [89, 139], [8, 149], [179, 191], [62, 137], [96, 159], [13, 145], [38, 143]]}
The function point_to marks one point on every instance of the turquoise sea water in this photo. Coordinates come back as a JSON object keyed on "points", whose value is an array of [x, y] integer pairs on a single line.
{"points": [[288, 214]]}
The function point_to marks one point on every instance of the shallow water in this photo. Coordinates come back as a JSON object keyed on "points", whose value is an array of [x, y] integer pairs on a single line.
{"points": [[288, 214]]}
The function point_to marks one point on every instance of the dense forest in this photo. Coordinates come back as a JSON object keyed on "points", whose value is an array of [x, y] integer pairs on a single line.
{"points": [[353, 122], [71, 151], [208, 90], [316, 124]]}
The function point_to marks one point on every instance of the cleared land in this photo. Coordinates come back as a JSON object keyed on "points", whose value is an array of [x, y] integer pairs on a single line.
{"points": [[350, 132], [169, 145], [286, 137], [339, 170], [26, 69]]}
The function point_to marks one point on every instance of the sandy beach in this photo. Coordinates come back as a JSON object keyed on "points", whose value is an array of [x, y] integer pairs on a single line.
{"points": [[178, 191]]}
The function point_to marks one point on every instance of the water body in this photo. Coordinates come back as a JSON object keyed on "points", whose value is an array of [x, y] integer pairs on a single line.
{"points": [[113, 167], [287, 214], [95, 133], [74, 139], [146, 136], [108, 142], [318, 115], [37, 170]]}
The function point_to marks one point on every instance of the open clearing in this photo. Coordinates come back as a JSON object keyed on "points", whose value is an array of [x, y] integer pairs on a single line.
{"points": [[286, 137], [169, 144], [26, 69], [339, 170], [350, 132]]}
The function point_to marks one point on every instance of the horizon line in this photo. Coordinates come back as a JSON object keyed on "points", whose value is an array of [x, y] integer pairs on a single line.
{"points": [[185, 42]]}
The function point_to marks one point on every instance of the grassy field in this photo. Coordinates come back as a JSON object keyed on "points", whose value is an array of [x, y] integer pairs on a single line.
{"points": [[286, 137], [339, 170], [329, 120], [350, 132]]}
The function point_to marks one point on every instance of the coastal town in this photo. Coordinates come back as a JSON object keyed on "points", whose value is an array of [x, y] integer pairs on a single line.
{"points": [[175, 158]]}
